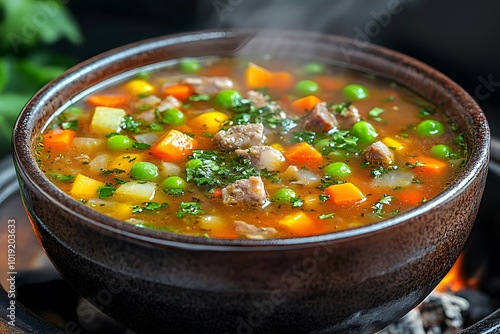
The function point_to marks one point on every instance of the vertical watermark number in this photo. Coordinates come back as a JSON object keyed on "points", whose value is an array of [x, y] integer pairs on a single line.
{"points": [[11, 271]]}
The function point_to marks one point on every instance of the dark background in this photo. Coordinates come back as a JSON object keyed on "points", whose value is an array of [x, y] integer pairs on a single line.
{"points": [[460, 38]]}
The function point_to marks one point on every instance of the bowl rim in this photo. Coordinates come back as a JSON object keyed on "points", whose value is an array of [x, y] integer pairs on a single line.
{"points": [[25, 161]]}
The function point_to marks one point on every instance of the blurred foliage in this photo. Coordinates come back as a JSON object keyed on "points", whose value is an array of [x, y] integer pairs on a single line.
{"points": [[29, 28]]}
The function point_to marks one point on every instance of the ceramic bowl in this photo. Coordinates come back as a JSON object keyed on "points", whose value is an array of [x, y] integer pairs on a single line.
{"points": [[355, 281]]}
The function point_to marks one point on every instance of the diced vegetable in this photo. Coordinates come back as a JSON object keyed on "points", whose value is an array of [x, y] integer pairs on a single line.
{"points": [[124, 161], [87, 144], [113, 209], [136, 191], [173, 146], [85, 187], [209, 122], [180, 92], [139, 87], [311, 202], [393, 144], [410, 196], [344, 194], [58, 139], [301, 176], [282, 80], [303, 154], [393, 179], [146, 138], [259, 77], [168, 169], [427, 165], [305, 103], [100, 162], [112, 101], [107, 120], [327, 82], [299, 222]]}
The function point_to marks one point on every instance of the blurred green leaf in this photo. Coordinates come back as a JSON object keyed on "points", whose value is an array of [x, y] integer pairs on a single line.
{"points": [[28, 22], [28, 28]]}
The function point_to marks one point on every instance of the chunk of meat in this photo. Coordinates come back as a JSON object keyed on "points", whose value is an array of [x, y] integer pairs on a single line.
{"points": [[249, 191], [253, 232], [240, 136], [208, 85], [262, 157], [169, 102], [320, 119], [149, 116], [379, 153], [350, 116]]}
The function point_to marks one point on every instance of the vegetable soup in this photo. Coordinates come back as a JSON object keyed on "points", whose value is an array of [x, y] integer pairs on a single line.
{"points": [[261, 148]]}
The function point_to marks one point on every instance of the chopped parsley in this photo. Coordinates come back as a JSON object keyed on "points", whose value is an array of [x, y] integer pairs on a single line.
{"points": [[303, 136], [269, 115], [189, 208], [375, 113], [148, 206], [296, 202], [130, 124], [155, 127], [378, 206], [70, 125], [199, 97], [141, 146], [422, 112], [211, 169], [61, 177], [106, 172], [106, 191]]}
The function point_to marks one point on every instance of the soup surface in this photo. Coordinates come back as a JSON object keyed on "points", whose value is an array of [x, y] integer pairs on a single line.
{"points": [[233, 148]]}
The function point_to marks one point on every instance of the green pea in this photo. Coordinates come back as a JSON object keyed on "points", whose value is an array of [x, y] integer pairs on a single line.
{"points": [[314, 68], [229, 98], [174, 117], [338, 170], [365, 132], [173, 182], [430, 128], [191, 164], [306, 87], [354, 92], [190, 65], [120, 143], [441, 151], [144, 171], [284, 195]]}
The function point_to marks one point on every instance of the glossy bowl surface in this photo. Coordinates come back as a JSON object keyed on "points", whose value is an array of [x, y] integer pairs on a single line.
{"points": [[356, 281]]}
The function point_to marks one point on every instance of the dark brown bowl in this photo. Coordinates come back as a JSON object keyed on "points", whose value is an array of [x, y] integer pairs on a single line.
{"points": [[358, 280]]}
